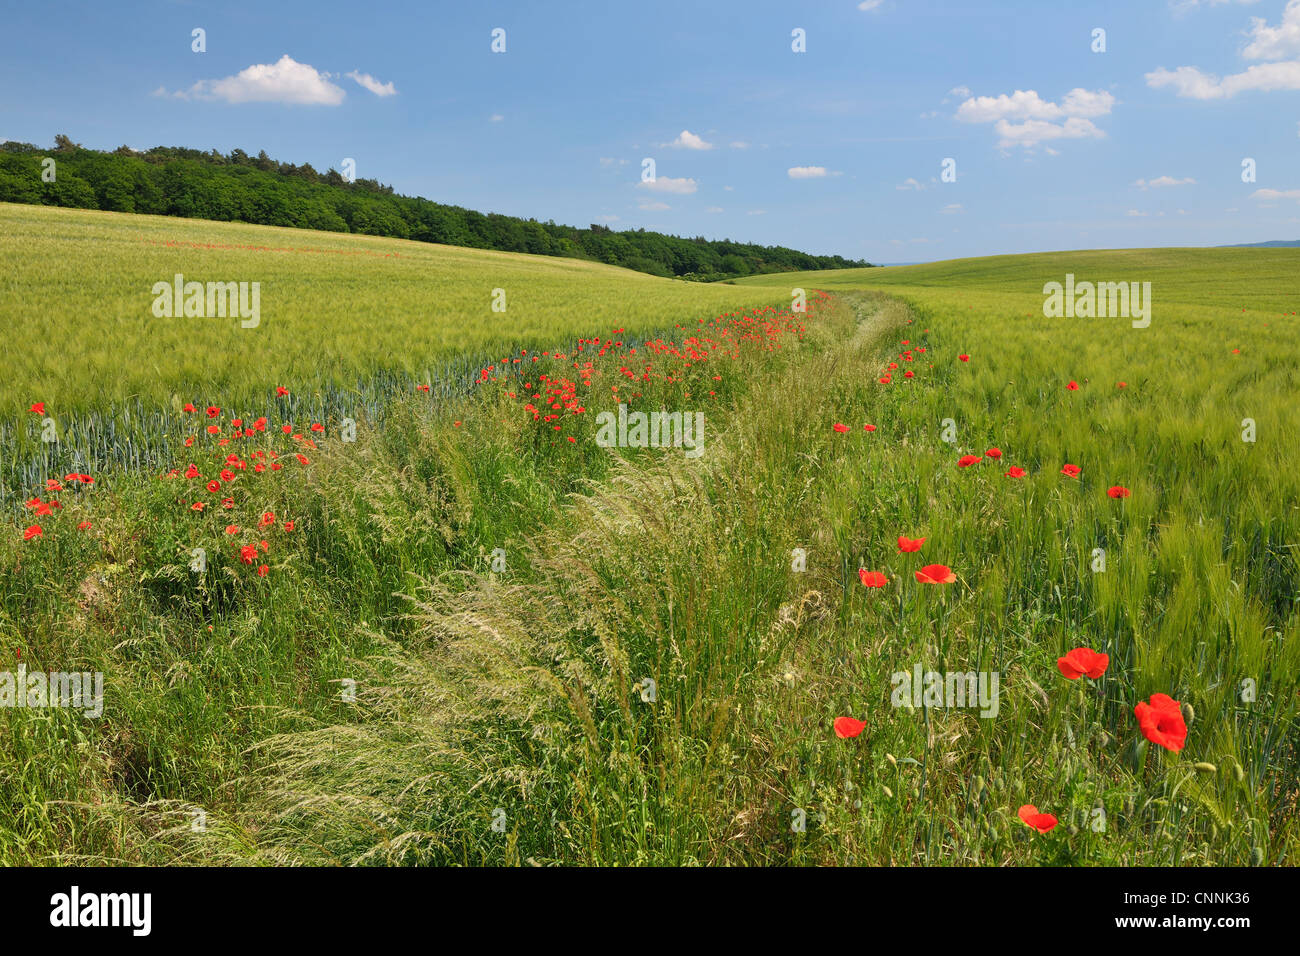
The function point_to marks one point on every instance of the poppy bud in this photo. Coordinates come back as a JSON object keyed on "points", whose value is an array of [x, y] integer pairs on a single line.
{"points": [[1256, 856], [892, 761], [1239, 771], [888, 792], [1204, 767], [1189, 714]]}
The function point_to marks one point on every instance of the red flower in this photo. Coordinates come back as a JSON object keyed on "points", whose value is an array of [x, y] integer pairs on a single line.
{"points": [[1042, 822], [965, 461], [1080, 661], [1121, 384], [232, 529], [189, 407], [261, 571], [227, 474], [302, 459], [872, 579], [1016, 472], [268, 518], [936, 574], [288, 526], [840, 427], [1162, 721], [846, 727], [885, 380], [1070, 471], [33, 532], [214, 486], [247, 553], [84, 526], [318, 427], [1073, 386], [213, 411], [192, 472], [1119, 491], [868, 428], [908, 545], [964, 358], [198, 506], [52, 485], [38, 408], [214, 429], [281, 390], [994, 453], [227, 503]]}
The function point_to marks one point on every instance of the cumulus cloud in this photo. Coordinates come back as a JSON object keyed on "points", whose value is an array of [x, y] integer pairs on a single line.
{"points": [[910, 183], [1162, 181], [1191, 83], [806, 172], [870, 4], [688, 140], [1274, 43], [373, 85], [666, 184], [1024, 118], [1275, 194], [285, 81]]}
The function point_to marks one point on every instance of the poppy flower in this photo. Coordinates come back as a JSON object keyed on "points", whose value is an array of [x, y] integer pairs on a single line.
{"points": [[247, 553], [213, 411], [191, 472], [198, 506], [1080, 661], [189, 407], [37, 408], [227, 474], [1016, 472], [281, 390], [936, 574], [840, 427], [302, 459], [318, 427], [965, 461], [1119, 491], [227, 503], [847, 727], [33, 532], [909, 374], [214, 486], [261, 571], [288, 526], [1073, 386], [964, 358], [214, 429], [84, 526], [1070, 471], [1162, 721], [868, 428], [994, 453], [908, 545], [268, 518], [1121, 384], [52, 485], [1042, 822], [872, 579], [232, 529], [885, 380]]}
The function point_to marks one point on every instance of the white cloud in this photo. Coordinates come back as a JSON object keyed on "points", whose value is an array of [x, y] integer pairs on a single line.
{"points": [[1274, 43], [665, 184], [806, 172], [611, 161], [1136, 213], [910, 183], [870, 4], [608, 218], [1161, 181], [688, 140], [713, 209], [373, 85], [1039, 119], [951, 208], [961, 91], [285, 81], [1189, 82], [1275, 194], [655, 206], [739, 144], [495, 118], [756, 212]]}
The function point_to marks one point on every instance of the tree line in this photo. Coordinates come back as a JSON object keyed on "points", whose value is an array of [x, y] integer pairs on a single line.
{"points": [[237, 187]]}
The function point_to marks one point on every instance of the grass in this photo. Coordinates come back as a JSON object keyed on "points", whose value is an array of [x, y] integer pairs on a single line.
{"points": [[503, 716]]}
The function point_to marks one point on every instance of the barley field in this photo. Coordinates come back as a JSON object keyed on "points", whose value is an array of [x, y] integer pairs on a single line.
{"points": [[447, 625]]}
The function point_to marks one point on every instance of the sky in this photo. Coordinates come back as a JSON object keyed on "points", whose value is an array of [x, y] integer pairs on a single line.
{"points": [[1059, 137]]}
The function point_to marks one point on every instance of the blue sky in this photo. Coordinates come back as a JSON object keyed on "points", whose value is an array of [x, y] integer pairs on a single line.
{"points": [[838, 149]]}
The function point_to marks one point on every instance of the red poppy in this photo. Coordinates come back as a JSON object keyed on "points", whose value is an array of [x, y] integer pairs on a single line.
{"points": [[192, 472], [936, 574], [33, 532], [1016, 472], [1042, 822], [965, 461], [302, 459], [52, 485], [281, 390], [1162, 721], [318, 427], [1070, 471], [37, 408], [1121, 384], [84, 526], [964, 358], [232, 529], [872, 579], [227, 474], [268, 518], [198, 506], [1073, 386], [189, 407], [1119, 491], [214, 429], [261, 571], [1082, 660], [213, 411], [908, 545], [840, 427], [214, 486], [868, 428], [288, 526], [885, 380], [227, 503], [847, 727], [994, 453]]}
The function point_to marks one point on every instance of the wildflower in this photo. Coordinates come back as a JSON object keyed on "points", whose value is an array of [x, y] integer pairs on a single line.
{"points": [[1042, 822], [872, 579], [847, 727], [936, 574], [1161, 721], [1080, 661]]}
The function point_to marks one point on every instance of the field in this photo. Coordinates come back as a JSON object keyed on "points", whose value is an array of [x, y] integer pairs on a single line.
{"points": [[475, 635]]}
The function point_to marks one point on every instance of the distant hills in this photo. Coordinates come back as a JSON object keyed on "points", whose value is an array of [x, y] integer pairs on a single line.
{"points": [[1271, 244]]}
